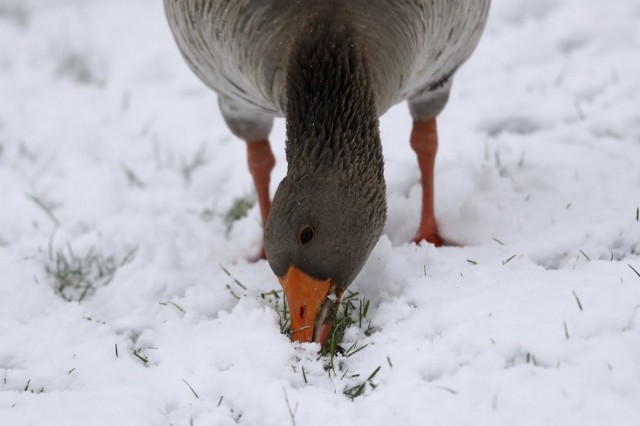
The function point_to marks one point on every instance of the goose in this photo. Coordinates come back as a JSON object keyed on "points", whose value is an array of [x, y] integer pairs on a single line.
{"points": [[331, 68]]}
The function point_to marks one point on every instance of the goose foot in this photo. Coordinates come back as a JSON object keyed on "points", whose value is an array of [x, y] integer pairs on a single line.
{"points": [[431, 237]]}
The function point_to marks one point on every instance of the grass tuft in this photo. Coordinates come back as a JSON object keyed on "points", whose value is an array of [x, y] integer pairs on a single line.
{"points": [[27, 388], [352, 310], [140, 356], [355, 391], [199, 159], [278, 302], [80, 68], [238, 210], [77, 277]]}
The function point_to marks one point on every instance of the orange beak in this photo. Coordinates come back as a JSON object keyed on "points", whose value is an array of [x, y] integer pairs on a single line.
{"points": [[310, 305]]}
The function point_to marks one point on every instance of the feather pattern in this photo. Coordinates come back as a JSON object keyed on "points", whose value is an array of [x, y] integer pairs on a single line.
{"points": [[332, 122], [240, 48]]}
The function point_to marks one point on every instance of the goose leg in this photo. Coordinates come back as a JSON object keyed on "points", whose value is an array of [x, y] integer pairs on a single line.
{"points": [[261, 162], [424, 141], [424, 108], [254, 128]]}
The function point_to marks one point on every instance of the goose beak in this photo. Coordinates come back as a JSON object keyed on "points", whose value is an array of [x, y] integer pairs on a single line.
{"points": [[310, 305]]}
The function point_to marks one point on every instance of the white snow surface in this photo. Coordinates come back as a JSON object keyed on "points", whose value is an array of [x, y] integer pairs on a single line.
{"points": [[532, 317]]}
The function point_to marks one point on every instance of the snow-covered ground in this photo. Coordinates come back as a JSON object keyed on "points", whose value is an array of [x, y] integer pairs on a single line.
{"points": [[532, 318]]}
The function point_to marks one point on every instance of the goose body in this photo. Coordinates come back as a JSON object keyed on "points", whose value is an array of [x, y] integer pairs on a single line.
{"points": [[240, 48], [331, 68]]}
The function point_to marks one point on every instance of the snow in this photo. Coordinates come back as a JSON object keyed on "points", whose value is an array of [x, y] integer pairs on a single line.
{"points": [[532, 317]]}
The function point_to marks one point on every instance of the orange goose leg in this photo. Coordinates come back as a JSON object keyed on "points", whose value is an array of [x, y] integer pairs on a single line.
{"points": [[261, 162], [424, 141]]}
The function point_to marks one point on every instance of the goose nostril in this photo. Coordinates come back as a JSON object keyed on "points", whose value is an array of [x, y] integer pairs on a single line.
{"points": [[302, 312]]}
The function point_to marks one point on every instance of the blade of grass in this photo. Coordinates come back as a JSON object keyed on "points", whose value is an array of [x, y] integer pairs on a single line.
{"points": [[292, 411], [447, 389], [633, 269], [585, 256], [359, 389], [235, 280], [175, 305], [372, 375], [141, 357], [357, 350], [46, 209], [194, 392], [577, 299]]}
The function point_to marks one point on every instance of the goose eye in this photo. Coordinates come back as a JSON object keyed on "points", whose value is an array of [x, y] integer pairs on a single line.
{"points": [[305, 234]]}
